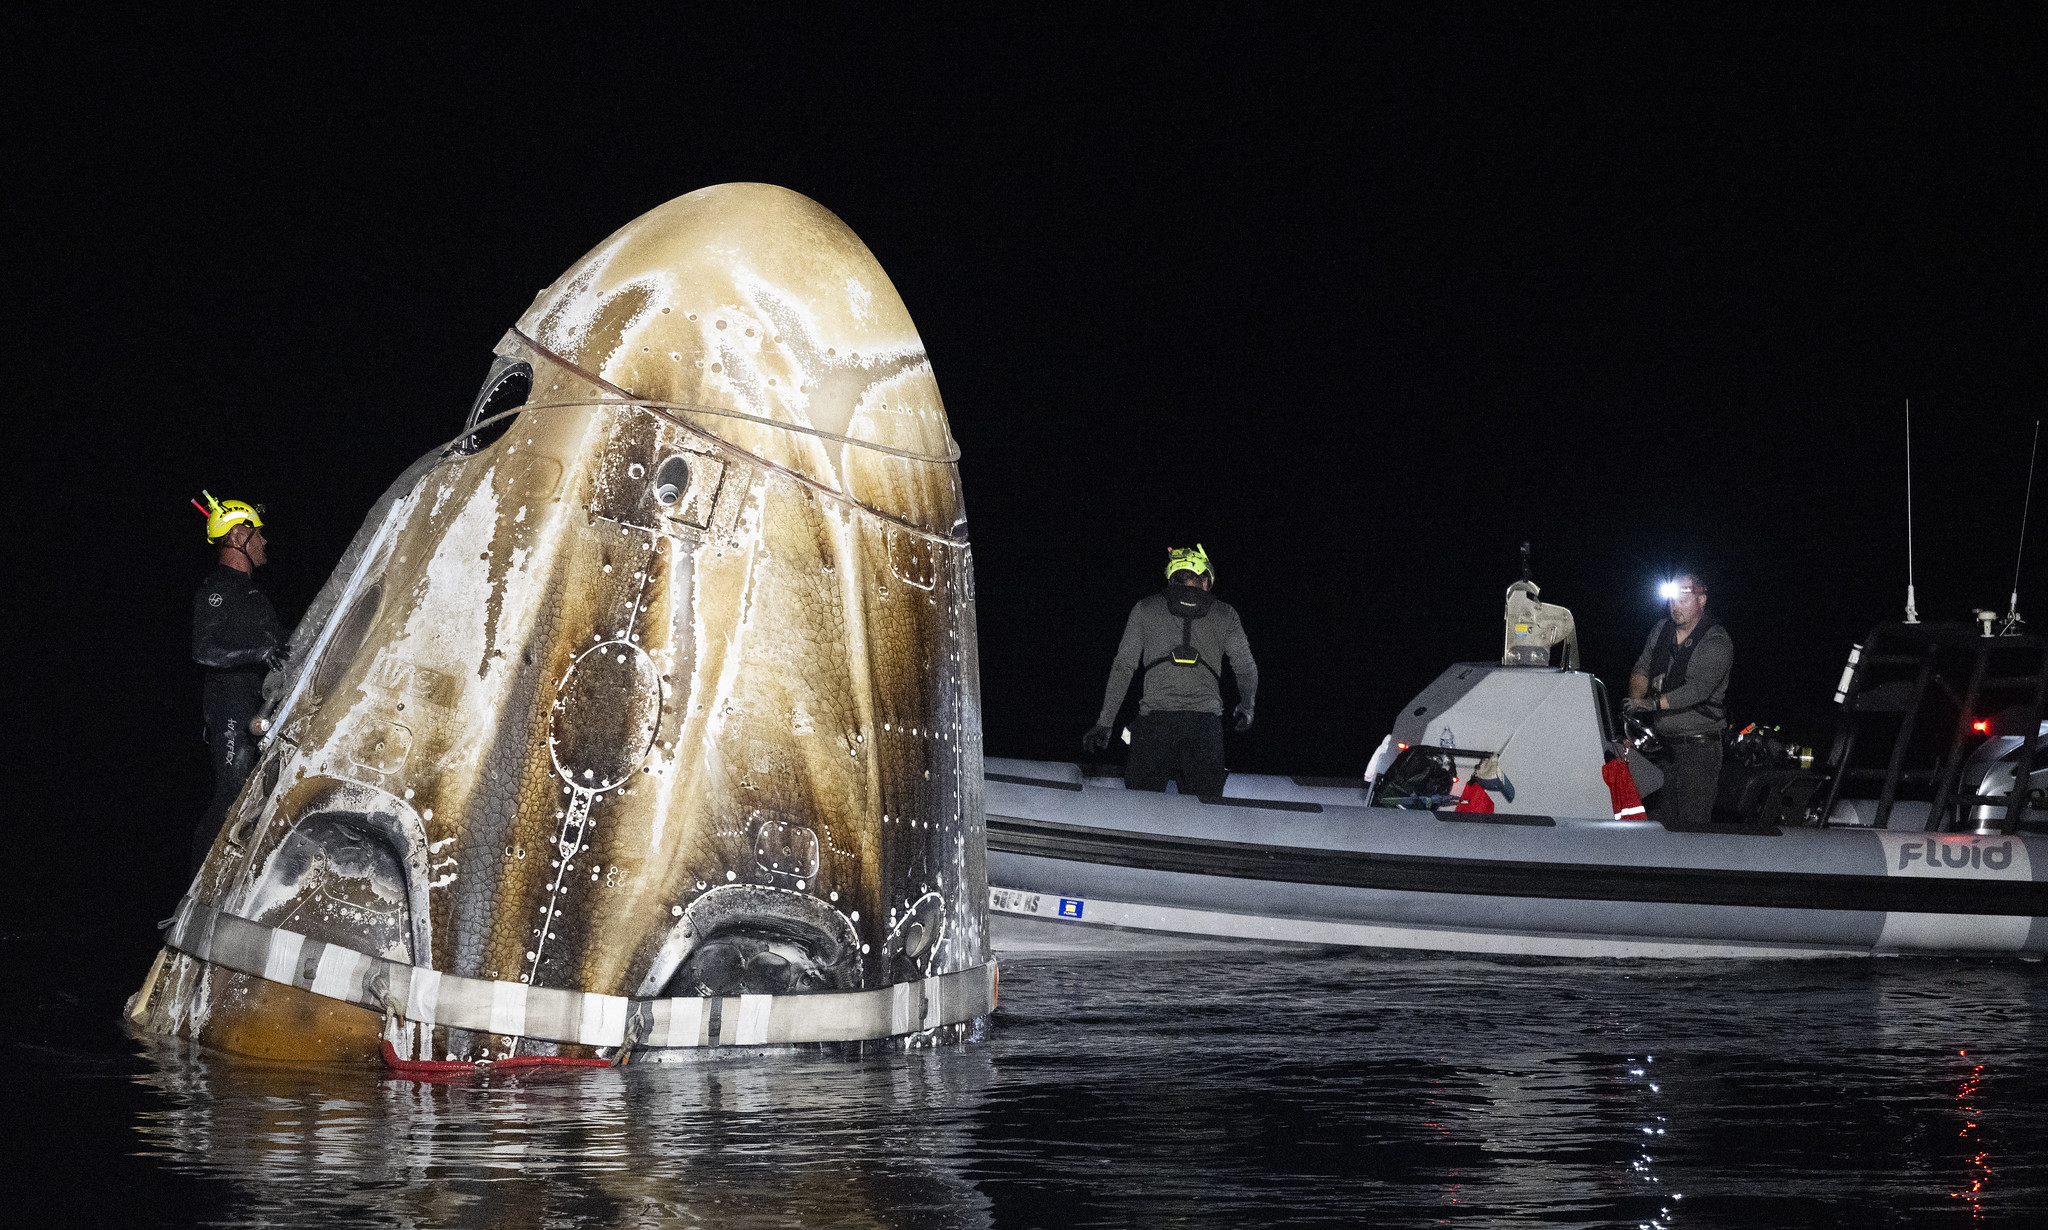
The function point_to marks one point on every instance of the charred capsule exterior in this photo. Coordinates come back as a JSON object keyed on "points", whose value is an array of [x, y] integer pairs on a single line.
{"points": [[659, 693]]}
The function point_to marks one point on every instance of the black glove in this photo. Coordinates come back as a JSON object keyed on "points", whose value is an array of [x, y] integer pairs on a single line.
{"points": [[1096, 739], [278, 658], [1244, 717], [1636, 704]]}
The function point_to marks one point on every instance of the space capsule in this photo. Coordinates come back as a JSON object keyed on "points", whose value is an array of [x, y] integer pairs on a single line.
{"points": [[643, 717]]}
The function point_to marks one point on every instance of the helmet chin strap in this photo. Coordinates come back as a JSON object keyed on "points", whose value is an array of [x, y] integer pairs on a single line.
{"points": [[237, 546]]}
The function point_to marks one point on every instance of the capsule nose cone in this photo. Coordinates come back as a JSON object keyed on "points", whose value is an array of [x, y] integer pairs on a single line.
{"points": [[762, 310]]}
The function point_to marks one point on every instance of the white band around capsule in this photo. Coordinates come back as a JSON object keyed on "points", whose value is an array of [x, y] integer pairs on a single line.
{"points": [[514, 1009]]}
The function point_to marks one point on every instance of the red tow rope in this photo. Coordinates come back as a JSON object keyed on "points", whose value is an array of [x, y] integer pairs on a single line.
{"points": [[447, 1069]]}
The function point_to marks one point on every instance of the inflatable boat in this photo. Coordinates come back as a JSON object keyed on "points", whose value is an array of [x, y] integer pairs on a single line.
{"points": [[1949, 855]]}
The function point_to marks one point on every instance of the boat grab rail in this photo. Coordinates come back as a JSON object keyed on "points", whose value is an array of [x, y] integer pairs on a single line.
{"points": [[1224, 800], [1214, 800], [1015, 779]]}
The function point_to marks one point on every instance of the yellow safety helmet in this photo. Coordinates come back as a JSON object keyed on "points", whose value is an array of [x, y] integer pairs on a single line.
{"points": [[224, 515], [1189, 559]]}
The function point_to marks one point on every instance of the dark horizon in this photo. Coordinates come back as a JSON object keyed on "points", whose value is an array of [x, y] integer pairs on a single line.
{"points": [[1360, 309]]}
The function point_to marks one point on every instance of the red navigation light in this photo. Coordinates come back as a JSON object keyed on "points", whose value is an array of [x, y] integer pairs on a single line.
{"points": [[1982, 726], [1400, 747]]}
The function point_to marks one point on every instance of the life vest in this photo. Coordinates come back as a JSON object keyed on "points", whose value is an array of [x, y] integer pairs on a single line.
{"points": [[1669, 660]]}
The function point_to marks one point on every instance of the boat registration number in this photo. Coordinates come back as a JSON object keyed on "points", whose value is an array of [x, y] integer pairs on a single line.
{"points": [[1011, 901]]}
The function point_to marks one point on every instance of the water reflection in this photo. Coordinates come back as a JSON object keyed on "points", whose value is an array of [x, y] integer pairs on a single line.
{"points": [[1642, 1080], [1972, 1191], [1263, 1090], [1973, 1021], [767, 1140]]}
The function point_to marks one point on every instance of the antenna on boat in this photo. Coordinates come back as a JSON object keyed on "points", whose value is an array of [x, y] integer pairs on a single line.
{"points": [[1912, 616], [2012, 623]]}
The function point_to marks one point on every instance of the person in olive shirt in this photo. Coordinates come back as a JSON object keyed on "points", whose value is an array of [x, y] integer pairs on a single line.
{"points": [[1182, 638], [237, 637], [1680, 683]]}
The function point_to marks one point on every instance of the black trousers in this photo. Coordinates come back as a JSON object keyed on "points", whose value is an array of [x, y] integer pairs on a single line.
{"points": [[229, 703], [1687, 799], [1187, 746]]}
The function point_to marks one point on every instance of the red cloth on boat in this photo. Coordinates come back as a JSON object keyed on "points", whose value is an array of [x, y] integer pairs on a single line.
{"points": [[1474, 798], [1621, 787]]}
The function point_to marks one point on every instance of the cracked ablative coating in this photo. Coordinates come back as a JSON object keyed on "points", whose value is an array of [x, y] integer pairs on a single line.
{"points": [[668, 690]]}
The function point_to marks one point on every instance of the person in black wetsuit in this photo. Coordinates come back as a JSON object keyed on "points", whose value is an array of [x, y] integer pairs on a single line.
{"points": [[237, 637]]}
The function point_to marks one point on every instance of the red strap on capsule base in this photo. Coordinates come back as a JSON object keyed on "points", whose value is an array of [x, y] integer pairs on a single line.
{"points": [[447, 1069]]}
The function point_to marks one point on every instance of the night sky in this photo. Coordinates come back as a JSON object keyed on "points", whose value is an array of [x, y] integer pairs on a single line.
{"points": [[1360, 308]]}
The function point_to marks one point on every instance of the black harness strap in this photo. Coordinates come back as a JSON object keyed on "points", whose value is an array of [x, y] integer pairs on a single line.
{"points": [[1185, 653], [1670, 659], [1190, 604]]}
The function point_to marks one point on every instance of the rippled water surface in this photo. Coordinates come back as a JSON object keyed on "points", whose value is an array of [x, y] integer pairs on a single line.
{"points": [[1255, 1088]]}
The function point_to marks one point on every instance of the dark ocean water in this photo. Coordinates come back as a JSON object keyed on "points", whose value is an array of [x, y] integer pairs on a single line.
{"points": [[1258, 1088]]}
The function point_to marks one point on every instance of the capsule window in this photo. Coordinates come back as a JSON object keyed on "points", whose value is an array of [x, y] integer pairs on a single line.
{"points": [[671, 480], [347, 640], [507, 387]]}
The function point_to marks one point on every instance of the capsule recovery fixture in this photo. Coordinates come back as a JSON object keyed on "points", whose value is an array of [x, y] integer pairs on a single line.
{"points": [[1534, 626]]}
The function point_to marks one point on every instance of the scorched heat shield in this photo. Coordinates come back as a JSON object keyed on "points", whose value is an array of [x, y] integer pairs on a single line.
{"points": [[646, 715]]}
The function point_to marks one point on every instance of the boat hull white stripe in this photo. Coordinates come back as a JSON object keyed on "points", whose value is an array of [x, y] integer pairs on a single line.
{"points": [[1101, 916], [1976, 932]]}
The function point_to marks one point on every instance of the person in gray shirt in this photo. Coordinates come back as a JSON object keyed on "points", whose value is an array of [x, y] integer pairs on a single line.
{"points": [[1182, 638], [1680, 683]]}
